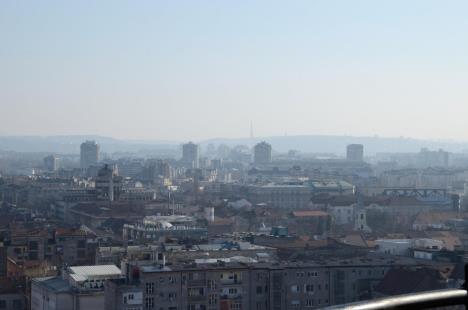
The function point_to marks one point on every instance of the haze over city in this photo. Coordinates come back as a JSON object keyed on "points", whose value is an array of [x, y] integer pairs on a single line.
{"points": [[194, 70], [233, 155]]}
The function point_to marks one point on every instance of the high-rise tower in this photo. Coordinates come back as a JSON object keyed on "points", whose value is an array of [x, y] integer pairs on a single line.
{"points": [[89, 154]]}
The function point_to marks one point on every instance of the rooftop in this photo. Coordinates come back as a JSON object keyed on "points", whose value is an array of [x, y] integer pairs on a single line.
{"points": [[310, 213], [89, 271], [55, 284]]}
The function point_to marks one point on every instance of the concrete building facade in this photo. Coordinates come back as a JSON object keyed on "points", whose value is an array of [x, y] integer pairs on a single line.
{"points": [[89, 154], [355, 152], [190, 155], [262, 153], [261, 286]]}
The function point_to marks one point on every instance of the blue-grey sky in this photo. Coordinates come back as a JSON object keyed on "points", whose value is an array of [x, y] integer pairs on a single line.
{"points": [[190, 70]]}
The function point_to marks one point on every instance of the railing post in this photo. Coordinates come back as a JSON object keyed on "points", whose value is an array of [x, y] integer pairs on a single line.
{"points": [[465, 285]]}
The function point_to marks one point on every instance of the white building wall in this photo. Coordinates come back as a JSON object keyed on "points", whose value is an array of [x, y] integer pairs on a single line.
{"points": [[394, 246], [342, 215]]}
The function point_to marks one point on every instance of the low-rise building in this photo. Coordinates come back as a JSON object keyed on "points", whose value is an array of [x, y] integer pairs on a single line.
{"points": [[244, 283], [280, 195], [80, 287], [152, 228]]}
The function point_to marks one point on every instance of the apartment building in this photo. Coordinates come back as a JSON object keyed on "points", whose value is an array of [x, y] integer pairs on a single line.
{"points": [[240, 283]]}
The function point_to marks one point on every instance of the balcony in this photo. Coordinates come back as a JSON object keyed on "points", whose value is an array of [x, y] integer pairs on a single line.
{"points": [[234, 297], [230, 281], [196, 298], [196, 283]]}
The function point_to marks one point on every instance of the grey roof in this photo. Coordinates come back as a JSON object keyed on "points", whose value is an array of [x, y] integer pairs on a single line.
{"points": [[100, 270], [54, 284]]}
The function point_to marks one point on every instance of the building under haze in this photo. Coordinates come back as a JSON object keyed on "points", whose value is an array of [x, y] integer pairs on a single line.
{"points": [[355, 152], [89, 154], [190, 155], [262, 153], [51, 163]]}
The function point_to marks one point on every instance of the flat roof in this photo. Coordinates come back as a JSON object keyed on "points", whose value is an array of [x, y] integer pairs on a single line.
{"points": [[309, 213], [55, 284], [100, 270]]}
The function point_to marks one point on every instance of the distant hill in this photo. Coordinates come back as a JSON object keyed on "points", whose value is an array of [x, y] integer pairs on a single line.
{"points": [[337, 144], [71, 144], [304, 143]]}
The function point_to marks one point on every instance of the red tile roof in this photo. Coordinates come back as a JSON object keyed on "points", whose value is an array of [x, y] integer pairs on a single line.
{"points": [[310, 213]]}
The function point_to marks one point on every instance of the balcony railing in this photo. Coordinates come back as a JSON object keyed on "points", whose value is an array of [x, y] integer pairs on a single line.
{"points": [[422, 300]]}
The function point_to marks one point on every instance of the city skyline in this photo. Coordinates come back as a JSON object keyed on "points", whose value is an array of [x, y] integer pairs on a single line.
{"points": [[233, 155], [160, 70]]}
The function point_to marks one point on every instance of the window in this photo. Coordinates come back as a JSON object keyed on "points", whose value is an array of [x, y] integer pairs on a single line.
{"points": [[295, 288], [17, 304], [81, 253], [196, 292], [33, 256], [309, 288], [149, 303], [150, 288], [259, 290], [309, 303], [212, 299], [232, 291], [212, 284], [236, 306], [172, 295], [33, 245], [295, 303], [81, 244]]}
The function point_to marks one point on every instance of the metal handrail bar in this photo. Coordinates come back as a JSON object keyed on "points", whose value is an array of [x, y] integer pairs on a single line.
{"points": [[423, 300]]}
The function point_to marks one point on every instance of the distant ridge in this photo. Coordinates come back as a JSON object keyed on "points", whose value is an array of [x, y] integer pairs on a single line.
{"points": [[69, 144], [337, 144]]}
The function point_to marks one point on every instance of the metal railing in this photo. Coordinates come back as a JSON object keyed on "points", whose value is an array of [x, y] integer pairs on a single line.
{"points": [[422, 300]]}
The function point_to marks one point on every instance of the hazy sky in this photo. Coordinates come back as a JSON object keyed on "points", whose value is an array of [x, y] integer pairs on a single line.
{"points": [[200, 69]]}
